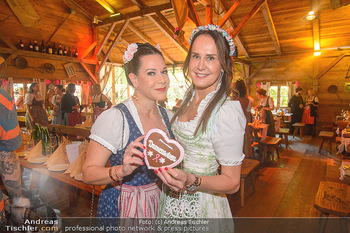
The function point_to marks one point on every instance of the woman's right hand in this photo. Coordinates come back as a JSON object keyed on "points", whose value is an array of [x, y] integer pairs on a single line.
{"points": [[132, 157]]}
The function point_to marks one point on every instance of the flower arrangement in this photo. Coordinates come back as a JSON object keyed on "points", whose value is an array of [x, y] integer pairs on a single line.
{"points": [[129, 53], [177, 32], [212, 27]]}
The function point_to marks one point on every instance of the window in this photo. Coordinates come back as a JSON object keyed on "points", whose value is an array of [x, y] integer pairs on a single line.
{"points": [[279, 94]]}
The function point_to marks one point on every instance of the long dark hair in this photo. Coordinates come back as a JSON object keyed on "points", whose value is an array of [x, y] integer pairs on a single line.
{"points": [[226, 62], [133, 66], [240, 87], [31, 87]]}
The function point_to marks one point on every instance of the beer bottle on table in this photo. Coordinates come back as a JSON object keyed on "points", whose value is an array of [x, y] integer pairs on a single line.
{"points": [[44, 140], [37, 133]]}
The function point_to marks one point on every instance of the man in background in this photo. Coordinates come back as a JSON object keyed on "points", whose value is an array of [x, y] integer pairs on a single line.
{"points": [[296, 105], [10, 140]]}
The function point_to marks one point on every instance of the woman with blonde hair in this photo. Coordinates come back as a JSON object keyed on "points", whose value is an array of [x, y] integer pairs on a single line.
{"points": [[98, 101]]}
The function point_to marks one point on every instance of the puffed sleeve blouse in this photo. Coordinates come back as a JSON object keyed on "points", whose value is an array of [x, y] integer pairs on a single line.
{"points": [[107, 129]]}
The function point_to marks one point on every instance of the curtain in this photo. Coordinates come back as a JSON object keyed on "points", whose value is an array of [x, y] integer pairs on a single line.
{"points": [[181, 13], [85, 92]]}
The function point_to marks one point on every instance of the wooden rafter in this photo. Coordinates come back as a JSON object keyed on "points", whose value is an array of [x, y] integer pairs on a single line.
{"points": [[139, 4], [167, 32], [12, 57], [88, 50], [147, 39], [92, 77], [82, 9], [255, 9], [193, 13], [229, 13], [113, 44], [271, 27], [230, 24], [316, 27], [7, 42], [209, 12], [141, 13], [330, 66], [257, 70], [106, 37], [57, 29], [238, 60]]}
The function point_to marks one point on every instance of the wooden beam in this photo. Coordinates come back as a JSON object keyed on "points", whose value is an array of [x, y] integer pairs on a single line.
{"points": [[255, 9], [229, 13], [229, 23], [316, 26], [238, 60], [271, 27], [167, 32], [92, 77], [258, 69], [7, 42], [88, 50], [149, 40], [82, 9], [141, 13], [107, 6], [330, 66], [47, 56], [139, 4], [190, 22], [58, 28], [209, 12], [11, 57], [193, 13], [114, 43], [106, 37]]}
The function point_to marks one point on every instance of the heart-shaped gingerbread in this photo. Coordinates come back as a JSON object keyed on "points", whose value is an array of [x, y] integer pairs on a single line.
{"points": [[160, 151]]}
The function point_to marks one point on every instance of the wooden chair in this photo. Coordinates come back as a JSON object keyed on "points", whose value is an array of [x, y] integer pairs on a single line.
{"points": [[271, 144], [326, 135], [284, 132], [298, 126], [332, 198], [248, 167], [255, 141]]}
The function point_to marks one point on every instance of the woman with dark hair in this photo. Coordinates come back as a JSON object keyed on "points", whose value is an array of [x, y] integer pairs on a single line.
{"points": [[265, 107], [35, 108], [70, 105], [56, 102], [99, 101], [117, 137], [210, 126], [240, 88]]}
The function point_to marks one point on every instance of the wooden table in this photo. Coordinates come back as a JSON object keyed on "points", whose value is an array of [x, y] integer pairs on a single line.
{"points": [[74, 186], [326, 135], [333, 198]]}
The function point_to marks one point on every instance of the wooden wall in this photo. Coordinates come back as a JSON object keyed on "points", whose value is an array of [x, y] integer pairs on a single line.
{"points": [[70, 30]]}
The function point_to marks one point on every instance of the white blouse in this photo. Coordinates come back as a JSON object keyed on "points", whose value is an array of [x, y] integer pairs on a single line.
{"points": [[225, 131], [107, 129], [29, 98]]}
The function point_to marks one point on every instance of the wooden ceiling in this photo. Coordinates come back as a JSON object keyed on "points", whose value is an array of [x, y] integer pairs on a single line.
{"points": [[276, 28], [267, 28]]}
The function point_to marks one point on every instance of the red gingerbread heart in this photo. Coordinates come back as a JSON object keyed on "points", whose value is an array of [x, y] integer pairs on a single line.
{"points": [[160, 151]]}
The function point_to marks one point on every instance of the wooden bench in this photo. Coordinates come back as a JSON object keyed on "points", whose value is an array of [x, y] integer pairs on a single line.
{"points": [[284, 132], [298, 126], [333, 198], [248, 167], [326, 135], [270, 144]]}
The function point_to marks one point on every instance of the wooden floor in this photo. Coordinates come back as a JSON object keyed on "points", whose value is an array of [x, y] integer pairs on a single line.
{"points": [[284, 188]]}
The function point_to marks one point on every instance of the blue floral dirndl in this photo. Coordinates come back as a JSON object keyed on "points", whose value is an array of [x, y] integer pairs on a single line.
{"points": [[142, 176]]}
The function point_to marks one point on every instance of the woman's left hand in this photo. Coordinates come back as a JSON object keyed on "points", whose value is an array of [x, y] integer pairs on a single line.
{"points": [[176, 179]]}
